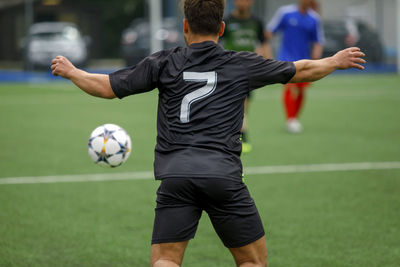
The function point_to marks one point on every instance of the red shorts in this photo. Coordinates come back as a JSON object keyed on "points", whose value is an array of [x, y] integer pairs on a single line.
{"points": [[299, 85]]}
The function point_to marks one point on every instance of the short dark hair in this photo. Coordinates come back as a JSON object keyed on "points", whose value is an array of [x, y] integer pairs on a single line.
{"points": [[204, 16]]}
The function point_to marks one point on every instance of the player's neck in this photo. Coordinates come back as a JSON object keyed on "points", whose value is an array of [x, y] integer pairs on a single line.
{"points": [[303, 9], [241, 14], [198, 38]]}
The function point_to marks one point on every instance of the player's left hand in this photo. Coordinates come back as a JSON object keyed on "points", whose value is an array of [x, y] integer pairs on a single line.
{"points": [[349, 58], [61, 66]]}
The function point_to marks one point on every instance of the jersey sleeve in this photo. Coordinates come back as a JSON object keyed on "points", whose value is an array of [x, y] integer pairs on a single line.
{"points": [[261, 71], [276, 23], [140, 78], [318, 35]]}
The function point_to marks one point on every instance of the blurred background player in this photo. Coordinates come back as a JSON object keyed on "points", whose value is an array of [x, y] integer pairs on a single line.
{"points": [[302, 38], [245, 32]]}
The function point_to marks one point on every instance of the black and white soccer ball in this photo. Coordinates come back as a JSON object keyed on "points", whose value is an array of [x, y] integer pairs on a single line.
{"points": [[109, 145]]}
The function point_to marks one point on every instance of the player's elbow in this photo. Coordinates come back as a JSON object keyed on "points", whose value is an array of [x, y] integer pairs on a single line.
{"points": [[108, 95], [106, 92], [102, 93], [303, 72], [302, 76]]}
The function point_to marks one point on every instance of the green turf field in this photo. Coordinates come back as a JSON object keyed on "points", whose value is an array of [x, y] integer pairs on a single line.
{"points": [[342, 218]]}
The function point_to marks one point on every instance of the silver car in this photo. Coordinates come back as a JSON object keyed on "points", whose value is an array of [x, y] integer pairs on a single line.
{"points": [[49, 39], [135, 40]]}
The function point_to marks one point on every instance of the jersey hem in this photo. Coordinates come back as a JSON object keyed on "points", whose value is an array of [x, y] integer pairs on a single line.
{"points": [[191, 175], [170, 240]]}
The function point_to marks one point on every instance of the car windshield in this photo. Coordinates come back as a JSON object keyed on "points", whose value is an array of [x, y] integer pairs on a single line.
{"points": [[67, 33]]}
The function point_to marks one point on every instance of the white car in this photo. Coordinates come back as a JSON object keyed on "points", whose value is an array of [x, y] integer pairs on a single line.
{"points": [[47, 40]]}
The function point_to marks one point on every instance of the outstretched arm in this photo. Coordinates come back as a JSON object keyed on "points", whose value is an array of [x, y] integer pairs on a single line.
{"points": [[313, 70], [93, 84]]}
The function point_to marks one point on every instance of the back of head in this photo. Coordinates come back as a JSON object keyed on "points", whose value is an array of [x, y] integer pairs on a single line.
{"points": [[204, 16]]}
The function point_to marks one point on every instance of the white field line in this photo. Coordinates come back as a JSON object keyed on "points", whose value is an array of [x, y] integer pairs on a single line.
{"points": [[329, 167]]}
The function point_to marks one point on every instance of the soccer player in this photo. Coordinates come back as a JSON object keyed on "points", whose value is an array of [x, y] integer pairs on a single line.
{"points": [[202, 89], [302, 39], [245, 32]]}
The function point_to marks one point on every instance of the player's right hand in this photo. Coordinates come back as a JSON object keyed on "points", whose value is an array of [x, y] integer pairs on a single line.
{"points": [[350, 58], [61, 66]]}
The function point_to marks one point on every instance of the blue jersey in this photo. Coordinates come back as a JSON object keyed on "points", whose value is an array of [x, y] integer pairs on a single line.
{"points": [[300, 31]]}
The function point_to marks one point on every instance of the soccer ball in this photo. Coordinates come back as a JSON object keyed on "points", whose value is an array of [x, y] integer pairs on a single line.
{"points": [[109, 145]]}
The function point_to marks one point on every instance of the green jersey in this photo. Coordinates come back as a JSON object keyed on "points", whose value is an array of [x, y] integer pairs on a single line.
{"points": [[243, 34]]}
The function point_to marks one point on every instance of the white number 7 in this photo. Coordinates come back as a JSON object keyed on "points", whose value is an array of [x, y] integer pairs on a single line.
{"points": [[206, 90]]}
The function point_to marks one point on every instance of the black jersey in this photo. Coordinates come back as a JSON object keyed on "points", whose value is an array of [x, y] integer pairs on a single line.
{"points": [[200, 107]]}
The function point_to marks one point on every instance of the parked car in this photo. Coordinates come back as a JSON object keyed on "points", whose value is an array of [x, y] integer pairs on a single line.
{"points": [[135, 40], [341, 34], [47, 40]]}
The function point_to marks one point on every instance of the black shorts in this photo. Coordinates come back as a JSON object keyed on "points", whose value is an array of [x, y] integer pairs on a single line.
{"points": [[180, 202]]}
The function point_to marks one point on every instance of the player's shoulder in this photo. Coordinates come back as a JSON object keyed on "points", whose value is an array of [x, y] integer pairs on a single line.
{"points": [[313, 14], [174, 50], [242, 54], [287, 9], [158, 59], [168, 52], [245, 56], [281, 15]]}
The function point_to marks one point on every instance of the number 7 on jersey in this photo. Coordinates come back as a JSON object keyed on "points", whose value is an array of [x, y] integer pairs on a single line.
{"points": [[206, 90]]}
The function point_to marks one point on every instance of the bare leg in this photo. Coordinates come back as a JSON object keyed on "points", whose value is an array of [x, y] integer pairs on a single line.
{"points": [[251, 255], [168, 254]]}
